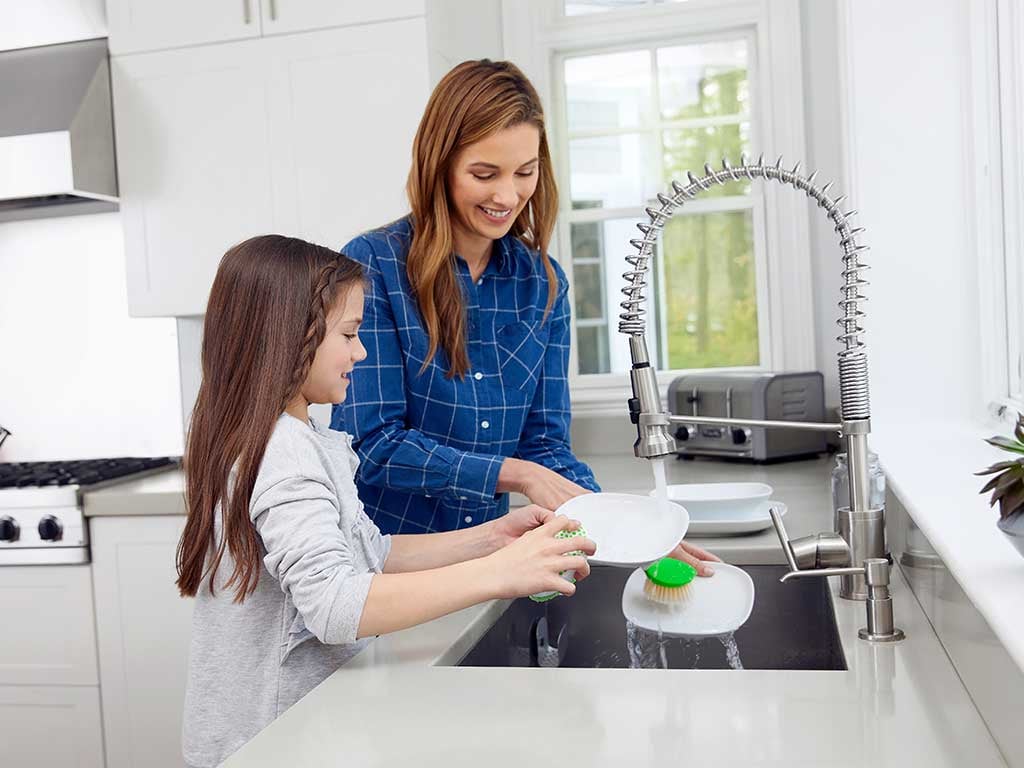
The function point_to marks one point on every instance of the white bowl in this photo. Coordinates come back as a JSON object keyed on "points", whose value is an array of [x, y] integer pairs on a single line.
{"points": [[712, 501], [629, 530]]}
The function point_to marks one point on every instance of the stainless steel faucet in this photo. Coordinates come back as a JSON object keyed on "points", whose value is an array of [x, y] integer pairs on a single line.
{"points": [[861, 527]]}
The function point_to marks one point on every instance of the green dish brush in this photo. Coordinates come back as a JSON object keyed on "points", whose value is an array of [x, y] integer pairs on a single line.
{"points": [[570, 576], [668, 581]]}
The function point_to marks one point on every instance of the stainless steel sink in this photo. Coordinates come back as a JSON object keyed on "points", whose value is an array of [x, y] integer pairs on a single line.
{"points": [[792, 626]]}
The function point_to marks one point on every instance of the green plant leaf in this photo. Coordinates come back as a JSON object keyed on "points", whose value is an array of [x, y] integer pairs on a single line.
{"points": [[1011, 503], [1004, 479], [1006, 444], [998, 467]]}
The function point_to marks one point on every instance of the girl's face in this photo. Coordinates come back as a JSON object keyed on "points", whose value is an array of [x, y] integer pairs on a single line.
{"points": [[341, 349], [491, 181]]}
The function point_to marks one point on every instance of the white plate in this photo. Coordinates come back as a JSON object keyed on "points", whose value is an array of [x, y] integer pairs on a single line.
{"points": [[707, 500], [716, 605], [629, 530], [732, 524]]}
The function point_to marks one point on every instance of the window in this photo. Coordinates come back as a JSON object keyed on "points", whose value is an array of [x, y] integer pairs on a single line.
{"points": [[998, 69], [638, 93], [635, 120]]}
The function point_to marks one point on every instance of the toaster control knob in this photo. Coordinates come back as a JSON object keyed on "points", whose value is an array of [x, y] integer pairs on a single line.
{"points": [[685, 432], [9, 530], [50, 528], [740, 436]]}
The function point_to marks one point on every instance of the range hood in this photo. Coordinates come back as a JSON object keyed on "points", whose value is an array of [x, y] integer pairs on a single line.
{"points": [[56, 131]]}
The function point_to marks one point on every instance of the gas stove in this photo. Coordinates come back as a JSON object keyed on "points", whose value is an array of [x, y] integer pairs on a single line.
{"points": [[41, 520]]}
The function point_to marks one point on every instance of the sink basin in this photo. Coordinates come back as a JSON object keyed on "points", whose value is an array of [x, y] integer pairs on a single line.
{"points": [[792, 626]]}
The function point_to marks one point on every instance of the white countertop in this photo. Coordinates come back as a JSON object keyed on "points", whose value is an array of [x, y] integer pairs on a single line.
{"points": [[898, 705]]}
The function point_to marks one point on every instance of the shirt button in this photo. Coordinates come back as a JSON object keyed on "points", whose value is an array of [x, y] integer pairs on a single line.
{"points": [[462, 498], [478, 375], [469, 519], [485, 424], [480, 281]]}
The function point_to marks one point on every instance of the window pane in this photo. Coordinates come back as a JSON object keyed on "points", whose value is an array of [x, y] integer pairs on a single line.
{"points": [[581, 7], [687, 149], [611, 172], [710, 290], [703, 80], [608, 91], [592, 347], [587, 287]]}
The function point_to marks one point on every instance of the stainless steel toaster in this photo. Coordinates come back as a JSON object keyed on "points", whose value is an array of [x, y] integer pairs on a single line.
{"points": [[775, 396]]}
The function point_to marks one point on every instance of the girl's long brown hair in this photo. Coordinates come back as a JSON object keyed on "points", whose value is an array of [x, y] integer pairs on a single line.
{"points": [[264, 321], [473, 101]]}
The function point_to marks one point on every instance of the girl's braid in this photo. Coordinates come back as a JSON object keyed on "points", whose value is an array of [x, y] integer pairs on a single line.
{"points": [[323, 296]]}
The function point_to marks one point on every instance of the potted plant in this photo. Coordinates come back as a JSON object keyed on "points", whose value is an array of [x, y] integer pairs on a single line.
{"points": [[1007, 485]]}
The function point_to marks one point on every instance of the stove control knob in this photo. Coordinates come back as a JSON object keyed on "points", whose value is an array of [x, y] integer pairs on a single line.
{"points": [[9, 530], [50, 528]]}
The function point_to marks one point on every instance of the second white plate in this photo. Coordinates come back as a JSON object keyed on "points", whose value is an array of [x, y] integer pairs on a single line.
{"points": [[726, 524]]}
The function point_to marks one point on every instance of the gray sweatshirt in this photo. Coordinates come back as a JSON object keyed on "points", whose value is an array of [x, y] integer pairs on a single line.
{"points": [[249, 662]]}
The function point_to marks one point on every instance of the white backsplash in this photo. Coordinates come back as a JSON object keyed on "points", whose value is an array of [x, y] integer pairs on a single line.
{"points": [[79, 378]]}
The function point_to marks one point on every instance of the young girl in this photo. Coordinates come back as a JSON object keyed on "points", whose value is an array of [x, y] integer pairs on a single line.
{"points": [[289, 574]]}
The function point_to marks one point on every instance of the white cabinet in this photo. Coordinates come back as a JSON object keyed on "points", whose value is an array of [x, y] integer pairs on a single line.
{"points": [[50, 726], [143, 628], [149, 25], [306, 135], [283, 16], [137, 26]]}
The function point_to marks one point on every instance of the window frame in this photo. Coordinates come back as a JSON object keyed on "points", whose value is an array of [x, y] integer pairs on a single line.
{"points": [[997, 95], [538, 36]]}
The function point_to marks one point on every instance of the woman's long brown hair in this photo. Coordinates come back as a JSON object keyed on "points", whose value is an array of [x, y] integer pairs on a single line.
{"points": [[473, 101], [264, 321]]}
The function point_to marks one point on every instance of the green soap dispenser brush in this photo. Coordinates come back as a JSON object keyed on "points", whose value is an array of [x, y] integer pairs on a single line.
{"points": [[668, 581], [543, 597]]}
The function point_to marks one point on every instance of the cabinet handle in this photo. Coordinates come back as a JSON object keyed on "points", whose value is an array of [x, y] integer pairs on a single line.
{"points": [[273, 10], [246, 12]]}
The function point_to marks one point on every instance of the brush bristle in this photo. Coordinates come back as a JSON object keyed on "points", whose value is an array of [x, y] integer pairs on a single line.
{"points": [[666, 595]]}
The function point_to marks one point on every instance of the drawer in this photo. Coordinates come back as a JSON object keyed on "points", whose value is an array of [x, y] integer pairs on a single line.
{"points": [[48, 635]]}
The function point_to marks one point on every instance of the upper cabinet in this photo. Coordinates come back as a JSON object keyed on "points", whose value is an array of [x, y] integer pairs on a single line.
{"points": [[137, 26], [306, 135]]}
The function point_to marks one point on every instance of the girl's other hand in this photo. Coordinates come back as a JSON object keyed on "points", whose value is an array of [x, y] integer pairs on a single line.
{"points": [[534, 562], [541, 485], [693, 555], [518, 521]]}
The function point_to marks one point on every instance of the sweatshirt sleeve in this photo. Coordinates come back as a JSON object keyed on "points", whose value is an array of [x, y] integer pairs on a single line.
{"points": [[310, 556]]}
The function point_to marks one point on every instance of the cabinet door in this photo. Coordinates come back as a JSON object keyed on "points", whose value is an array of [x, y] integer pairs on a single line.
{"points": [[283, 16], [342, 145], [51, 638], [50, 726], [143, 629], [193, 157], [150, 25]]}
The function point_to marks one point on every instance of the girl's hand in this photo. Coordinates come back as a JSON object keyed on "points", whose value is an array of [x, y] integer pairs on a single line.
{"points": [[693, 555], [533, 562], [518, 521]]}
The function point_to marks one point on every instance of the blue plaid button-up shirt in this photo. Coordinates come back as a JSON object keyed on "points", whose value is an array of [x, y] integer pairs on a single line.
{"points": [[431, 447]]}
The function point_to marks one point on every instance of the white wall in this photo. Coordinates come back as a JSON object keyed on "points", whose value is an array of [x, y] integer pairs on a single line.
{"points": [[822, 117], [45, 22], [908, 121], [78, 377]]}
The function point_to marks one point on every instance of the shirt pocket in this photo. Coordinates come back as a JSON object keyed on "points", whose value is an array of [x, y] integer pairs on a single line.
{"points": [[521, 348]]}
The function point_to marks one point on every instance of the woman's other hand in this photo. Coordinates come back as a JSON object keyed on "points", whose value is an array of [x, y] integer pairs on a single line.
{"points": [[696, 557], [539, 484], [534, 562]]}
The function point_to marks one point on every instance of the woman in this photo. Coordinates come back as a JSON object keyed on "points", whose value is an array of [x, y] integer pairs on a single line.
{"points": [[464, 396]]}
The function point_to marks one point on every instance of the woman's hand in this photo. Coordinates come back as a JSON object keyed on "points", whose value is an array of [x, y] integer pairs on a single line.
{"points": [[688, 553], [534, 562], [538, 483]]}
